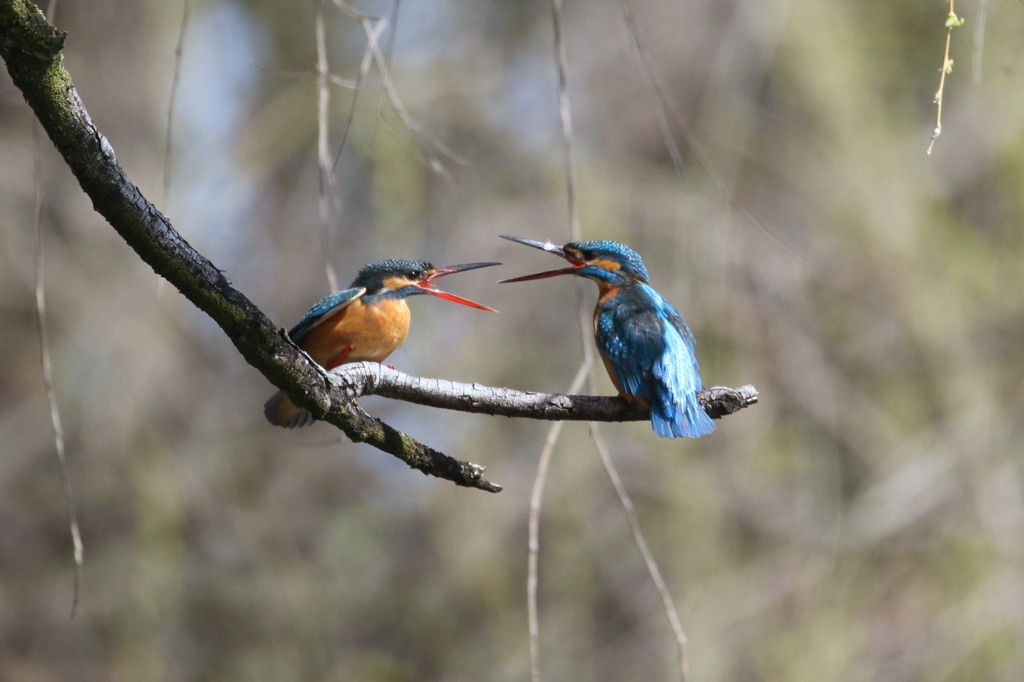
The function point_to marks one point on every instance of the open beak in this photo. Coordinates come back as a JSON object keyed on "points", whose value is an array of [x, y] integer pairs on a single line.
{"points": [[550, 248], [427, 285]]}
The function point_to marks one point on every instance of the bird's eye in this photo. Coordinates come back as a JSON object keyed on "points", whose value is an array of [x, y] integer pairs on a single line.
{"points": [[588, 255], [414, 274]]}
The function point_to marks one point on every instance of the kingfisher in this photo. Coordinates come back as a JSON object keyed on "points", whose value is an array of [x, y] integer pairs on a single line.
{"points": [[644, 342], [367, 321]]}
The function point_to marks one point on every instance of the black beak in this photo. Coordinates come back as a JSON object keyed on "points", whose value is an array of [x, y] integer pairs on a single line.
{"points": [[550, 248], [427, 285]]}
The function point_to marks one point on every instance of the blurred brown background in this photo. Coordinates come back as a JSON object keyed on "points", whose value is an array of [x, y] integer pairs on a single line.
{"points": [[865, 521]]}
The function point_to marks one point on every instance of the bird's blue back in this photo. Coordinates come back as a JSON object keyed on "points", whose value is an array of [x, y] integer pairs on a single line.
{"points": [[649, 347]]}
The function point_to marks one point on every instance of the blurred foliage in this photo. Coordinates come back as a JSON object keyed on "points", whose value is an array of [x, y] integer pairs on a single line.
{"points": [[864, 522]]}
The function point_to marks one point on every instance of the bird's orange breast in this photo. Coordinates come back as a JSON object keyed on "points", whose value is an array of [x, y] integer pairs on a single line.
{"points": [[608, 292], [372, 332]]}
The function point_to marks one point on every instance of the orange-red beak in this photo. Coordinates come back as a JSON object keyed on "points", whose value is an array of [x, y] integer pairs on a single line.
{"points": [[550, 248], [427, 285]]}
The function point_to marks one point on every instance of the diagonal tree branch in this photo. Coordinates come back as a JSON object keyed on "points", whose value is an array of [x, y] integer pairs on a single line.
{"points": [[31, 48]]}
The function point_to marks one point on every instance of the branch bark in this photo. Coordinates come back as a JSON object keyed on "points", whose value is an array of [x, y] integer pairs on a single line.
{"points": [[369, 378], [31, 49]]}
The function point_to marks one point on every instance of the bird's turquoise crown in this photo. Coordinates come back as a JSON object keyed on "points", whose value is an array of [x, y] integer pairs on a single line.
{"points": [[627, 258], [372, 276]]}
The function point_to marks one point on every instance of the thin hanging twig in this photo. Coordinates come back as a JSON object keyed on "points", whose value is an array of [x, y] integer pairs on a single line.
{"points": [[357, 88], [565, 117], [652, 91], [373, 27], [323, 154], [540, 479], [671, 613], [51, 396], [533, 553], [171, 101], [952, 21], [979, 42]]}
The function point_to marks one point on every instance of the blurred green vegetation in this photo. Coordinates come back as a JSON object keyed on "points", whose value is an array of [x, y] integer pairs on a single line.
{"points": [[865, 521]]}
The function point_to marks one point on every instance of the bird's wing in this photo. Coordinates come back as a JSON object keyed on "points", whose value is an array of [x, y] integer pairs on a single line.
{"points": [[677, 411], [322, 310], [676, 322], [676, 369], [648, 346], [631, 338]]}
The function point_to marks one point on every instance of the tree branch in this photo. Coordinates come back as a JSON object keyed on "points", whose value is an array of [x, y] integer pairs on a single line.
{"points": [[369, 378], [31, 48]]}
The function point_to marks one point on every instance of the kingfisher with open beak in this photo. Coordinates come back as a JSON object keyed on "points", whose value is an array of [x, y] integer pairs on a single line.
{"points": [[644, 342], [367, 321]]}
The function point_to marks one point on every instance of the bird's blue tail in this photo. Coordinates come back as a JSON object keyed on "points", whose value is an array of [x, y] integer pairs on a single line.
{"points": [[689, 422]]}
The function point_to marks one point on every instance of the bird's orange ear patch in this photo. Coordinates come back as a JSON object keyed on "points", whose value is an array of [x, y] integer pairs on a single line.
{"points": [[396, 282], [607, 264]]}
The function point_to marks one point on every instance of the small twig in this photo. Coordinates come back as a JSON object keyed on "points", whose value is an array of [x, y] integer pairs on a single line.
{"points": [[533, 543], [357, 88], [668, 605], [171, 101], [172, 98], [575, 233], [979, 42], [51, 395], [565, 118], [372, 28], [952, 21], [326, 174], [78, 547], [648, 77]]}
